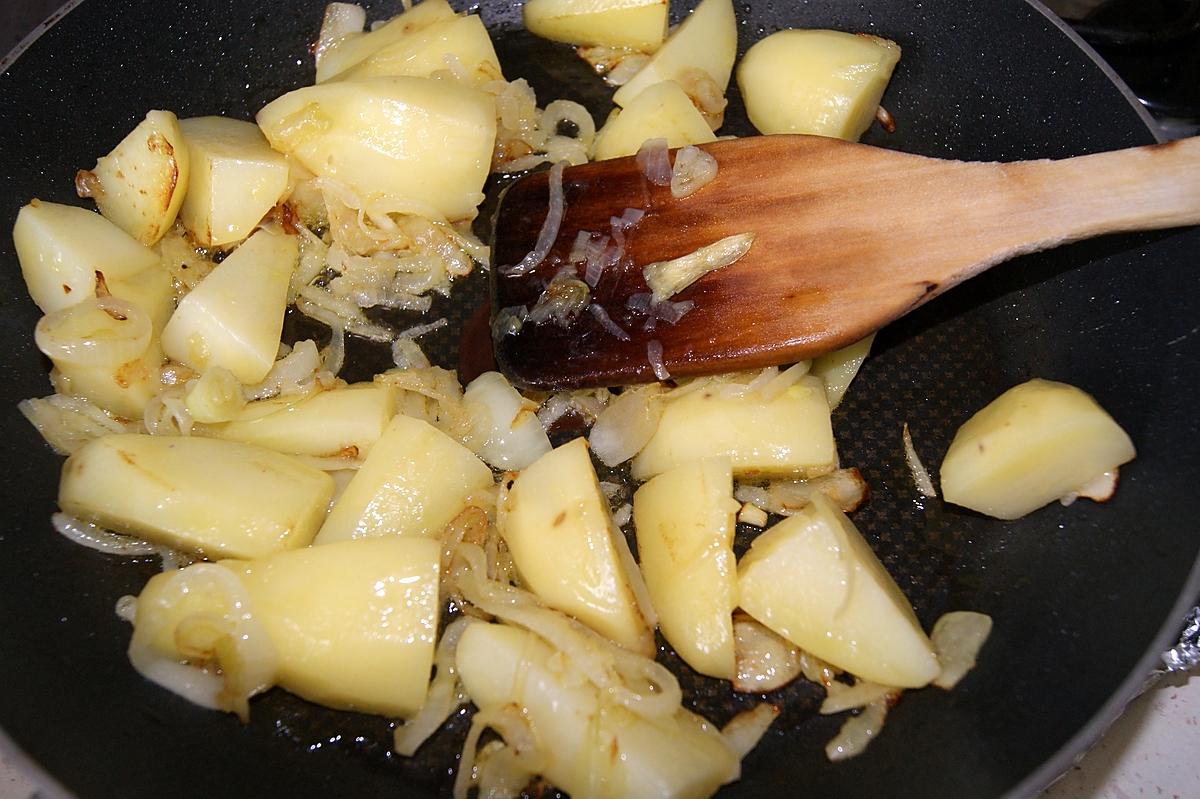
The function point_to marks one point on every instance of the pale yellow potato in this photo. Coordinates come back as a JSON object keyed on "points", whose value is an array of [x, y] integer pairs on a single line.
{"points": [[789, 435], [355, 48], [341, 423], [233, 318], [216, 396], [591, 747], [706, 40], [141, 184], [61, 248], [214, 498], [1035, 443], [558, 528], [685, 524], [414, 482], [151, 290], [236, 178], [354, 624], [104, 349], [826, 83], [813, 579], [422, 145], [432, 49], [632, 24], [838, 369], [663, 111]]}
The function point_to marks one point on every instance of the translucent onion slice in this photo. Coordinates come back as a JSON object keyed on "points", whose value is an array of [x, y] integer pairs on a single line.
{"points": [[654, 354], [667, 278], [845, 487], [858, 732], [957, 638], [607, 323], [95, 537], [694, 169], [840, 697], [518, 737], [626, 425], [764, 661], [654, 159], [445, 695], [920, 474], [746, 729], [549, 231]]}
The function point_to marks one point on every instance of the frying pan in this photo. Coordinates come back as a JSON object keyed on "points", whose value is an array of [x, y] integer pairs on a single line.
{"points": [[1084, 598]]}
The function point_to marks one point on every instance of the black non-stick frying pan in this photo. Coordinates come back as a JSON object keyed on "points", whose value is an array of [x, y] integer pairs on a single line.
{"points": [[1084, 598]]}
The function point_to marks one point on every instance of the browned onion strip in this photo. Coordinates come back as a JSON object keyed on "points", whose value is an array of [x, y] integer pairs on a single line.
{"points": [[764, 661], [845, 487], [957, 638], [858, 732], [920, 474], [746, 729]]}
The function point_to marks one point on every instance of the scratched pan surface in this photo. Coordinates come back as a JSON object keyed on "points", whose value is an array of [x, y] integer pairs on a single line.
{"points": [[1083, 597]]}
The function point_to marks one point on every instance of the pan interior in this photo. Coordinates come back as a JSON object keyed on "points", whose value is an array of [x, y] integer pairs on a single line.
{"points": [[1078, 594]]}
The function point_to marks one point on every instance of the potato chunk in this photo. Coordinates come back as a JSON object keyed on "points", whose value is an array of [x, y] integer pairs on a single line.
{"points": [[140, 185], [233, 318], [634, 24], [706, 41], [354, 624], [61, 248], [564, 543], [685, 525], [356, 47], [236, 179], [592, 747], [815, 581], [1035, 443], [424, 146], [790, 434], [421, 53], [826, 83], [663, 111], [196, 494], [415, 481], [340, 423]]}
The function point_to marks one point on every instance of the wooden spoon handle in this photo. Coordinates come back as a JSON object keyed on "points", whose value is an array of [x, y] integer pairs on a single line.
{"points": [[1035, 205]]}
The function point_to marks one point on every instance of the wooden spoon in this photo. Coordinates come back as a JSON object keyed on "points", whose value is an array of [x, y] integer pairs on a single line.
{"points": [[846, 239]]}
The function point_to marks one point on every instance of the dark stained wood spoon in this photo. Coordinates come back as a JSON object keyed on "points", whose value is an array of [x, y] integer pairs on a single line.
{"points": [[847, 239]]}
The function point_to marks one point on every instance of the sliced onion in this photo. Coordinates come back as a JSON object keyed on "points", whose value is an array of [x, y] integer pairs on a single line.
{"points": [[549, 231], [845, 487], [957, 638], [694, 169], [784, 380], [840, 697], [562, 300], [857, 732], [764, 661], [626, 425], [667, 278], [654, 160], [919, 473], [445, 694], [1101, 489], [636, 682], [95, 537], [518, 737], [746, 729], [504, 425], [569, 111], [654, 353], [607, 323]]}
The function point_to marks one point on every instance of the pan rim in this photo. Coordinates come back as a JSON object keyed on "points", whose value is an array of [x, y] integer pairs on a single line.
{"points": [[1054, 767]]}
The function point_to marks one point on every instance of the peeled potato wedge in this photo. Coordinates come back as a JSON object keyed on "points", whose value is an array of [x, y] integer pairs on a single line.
{"points": [[236, 178], [414, 482], [354, 624], [423, 145], [633, 24], [663, 111], [813, 579], [196, 494], [706, 41], [790, 434], [141, 184], [1035, 443], [685, 525], [61, 248], [564, 543], [820, 82], [461, 41], [355, 47], [233, 318]]}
